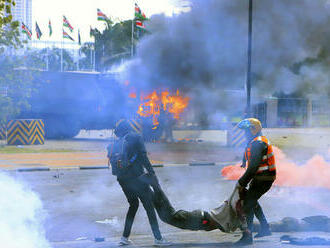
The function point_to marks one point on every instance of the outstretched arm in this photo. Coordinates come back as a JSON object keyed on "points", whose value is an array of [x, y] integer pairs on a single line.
{"points": [[143, 153]]}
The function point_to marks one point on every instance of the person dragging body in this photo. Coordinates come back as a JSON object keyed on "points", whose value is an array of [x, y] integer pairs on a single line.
{"points": [[128, 160], [259, 177]]}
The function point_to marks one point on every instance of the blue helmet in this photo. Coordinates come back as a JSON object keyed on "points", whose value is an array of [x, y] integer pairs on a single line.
{"points": [[252, 124]]}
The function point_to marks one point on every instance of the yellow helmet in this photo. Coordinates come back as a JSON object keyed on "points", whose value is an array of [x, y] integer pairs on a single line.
{"points": [[253, 124]]}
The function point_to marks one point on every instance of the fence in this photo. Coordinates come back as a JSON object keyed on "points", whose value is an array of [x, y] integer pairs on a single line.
{"points": [[293, 112]]}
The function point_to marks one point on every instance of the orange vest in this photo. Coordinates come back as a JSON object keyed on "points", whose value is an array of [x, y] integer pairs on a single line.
{"points": [[268, 160]]}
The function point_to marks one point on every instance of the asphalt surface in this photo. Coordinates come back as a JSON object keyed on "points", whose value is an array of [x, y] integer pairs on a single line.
{"points": [[81, 205]]}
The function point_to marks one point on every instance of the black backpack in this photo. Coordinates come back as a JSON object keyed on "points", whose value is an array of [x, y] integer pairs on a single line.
{"points": [[118, 157]]}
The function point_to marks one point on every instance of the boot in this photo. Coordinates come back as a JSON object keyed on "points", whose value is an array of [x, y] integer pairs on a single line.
{"points": [[245, 240], [263, 232]]}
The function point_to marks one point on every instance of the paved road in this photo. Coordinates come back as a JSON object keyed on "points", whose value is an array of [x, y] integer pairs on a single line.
{"points": [[194, 240], [75, 200]]}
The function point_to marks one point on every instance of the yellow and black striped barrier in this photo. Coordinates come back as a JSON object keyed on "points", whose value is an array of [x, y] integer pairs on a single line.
{"points": [[26, 132], [2, 132], [134, 124], [237, 137]]}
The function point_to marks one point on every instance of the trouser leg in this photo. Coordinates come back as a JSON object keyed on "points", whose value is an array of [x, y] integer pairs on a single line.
{"points": [[146, 199], [133, 207], [251, 205], [249, 211], [260, 216]]}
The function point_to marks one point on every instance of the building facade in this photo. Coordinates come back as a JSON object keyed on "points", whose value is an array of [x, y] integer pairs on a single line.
{"points": [[23, 12]]}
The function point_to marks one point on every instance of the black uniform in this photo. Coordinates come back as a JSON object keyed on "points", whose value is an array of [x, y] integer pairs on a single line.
{"points": [[135, 156], [259, 184]]}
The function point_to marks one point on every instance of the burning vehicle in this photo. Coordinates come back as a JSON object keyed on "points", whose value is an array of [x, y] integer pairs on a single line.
{"points": [[158, 112], [71, 101]]}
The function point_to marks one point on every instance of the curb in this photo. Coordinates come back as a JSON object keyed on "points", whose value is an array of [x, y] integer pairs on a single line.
{"points": [[33, 169], [202, 164], [93, 167], [195, 164], [157, 165]]}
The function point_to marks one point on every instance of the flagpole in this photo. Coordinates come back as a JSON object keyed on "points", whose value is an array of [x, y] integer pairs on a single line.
{"points": [[91, 52], [78, 58], [78, 51], [94, 56], [62, 53], [132, 47], [47, 61]]}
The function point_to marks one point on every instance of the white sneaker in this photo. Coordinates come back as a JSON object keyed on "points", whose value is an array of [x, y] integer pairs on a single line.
{"points": [[125, 241], [162, 242]]}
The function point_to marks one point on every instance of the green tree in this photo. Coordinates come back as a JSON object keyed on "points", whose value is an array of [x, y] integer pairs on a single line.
{"points": [[9, 32], [16, 87], [86, 62], [16, 81], [37, 59], [5, 12], [114, 43]]}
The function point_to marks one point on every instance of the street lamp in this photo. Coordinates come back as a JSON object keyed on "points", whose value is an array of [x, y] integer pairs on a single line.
{"points": [[249, 52]]}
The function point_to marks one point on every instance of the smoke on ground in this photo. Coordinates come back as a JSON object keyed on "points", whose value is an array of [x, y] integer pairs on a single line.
{"points": [[313, 173], [21, 214]]}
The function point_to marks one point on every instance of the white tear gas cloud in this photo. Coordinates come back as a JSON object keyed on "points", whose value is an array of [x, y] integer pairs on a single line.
{"points": [[207, 47], [21, 214]]}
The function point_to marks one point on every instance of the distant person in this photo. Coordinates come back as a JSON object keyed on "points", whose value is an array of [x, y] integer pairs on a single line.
{"points": [[169, 123], [260, 175], [128, 158], [166, 124]]}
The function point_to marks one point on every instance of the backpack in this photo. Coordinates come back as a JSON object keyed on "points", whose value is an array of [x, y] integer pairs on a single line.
{"points": [[118, 157]]}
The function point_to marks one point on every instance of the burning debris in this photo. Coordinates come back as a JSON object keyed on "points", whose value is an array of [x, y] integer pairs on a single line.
{"points": [[156, 104]]}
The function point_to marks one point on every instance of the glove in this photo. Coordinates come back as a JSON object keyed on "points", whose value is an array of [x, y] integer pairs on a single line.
{"points": [[241, 190], [238, 186]]}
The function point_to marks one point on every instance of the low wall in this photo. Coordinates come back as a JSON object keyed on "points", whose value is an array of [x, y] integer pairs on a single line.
{"points": [[219, 136], [307, 137]]}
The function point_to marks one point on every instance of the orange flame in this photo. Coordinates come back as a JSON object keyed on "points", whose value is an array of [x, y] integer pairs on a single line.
{"points": [[153, 103]]}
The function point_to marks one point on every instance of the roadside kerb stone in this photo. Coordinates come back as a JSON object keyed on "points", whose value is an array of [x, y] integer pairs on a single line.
{"points": [[202, 164], [31, 169], [92, 167]]}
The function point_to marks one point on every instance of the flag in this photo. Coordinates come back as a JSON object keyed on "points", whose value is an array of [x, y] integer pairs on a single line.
{"points": [[79, 39], [50, 28], [38, 31], [139, 15], [67, 36], [67, 24], [101, 16], [139, 24], [26, 31]]}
